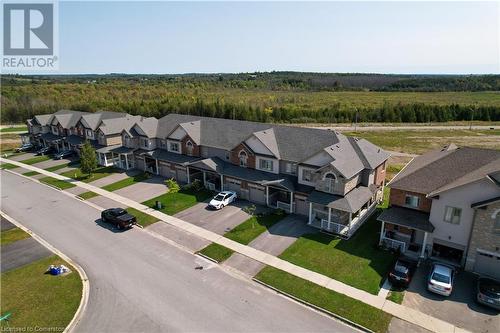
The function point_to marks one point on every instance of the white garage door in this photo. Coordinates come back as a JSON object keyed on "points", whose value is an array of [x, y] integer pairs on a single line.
{"points": [[487, 264], [233, 185], [257, 194]]}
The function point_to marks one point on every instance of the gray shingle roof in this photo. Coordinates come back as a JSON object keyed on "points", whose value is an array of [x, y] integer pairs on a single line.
{"points": [[407, 217], [351, 202], [44, 119], [93, 120], [68, 118], [446, 168], [117, 125]]}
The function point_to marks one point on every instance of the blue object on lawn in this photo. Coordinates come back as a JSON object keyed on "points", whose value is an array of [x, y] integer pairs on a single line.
{"points": [[54, 270]]}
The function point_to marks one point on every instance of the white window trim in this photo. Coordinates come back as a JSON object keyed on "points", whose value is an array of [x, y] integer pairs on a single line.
{"points": [[412, 196], [246, 158], [451, 221], [169, 142], [300, 175]]}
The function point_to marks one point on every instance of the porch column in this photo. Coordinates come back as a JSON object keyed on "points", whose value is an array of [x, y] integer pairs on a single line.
{"points": [[187, 173], [291, 202], [221, 183], [204, 179], [126, 161], [267, 195], [350, 220], [381, 233], [157, 168], [329, 214], [310, 211], [105, 160], [424, 244]]}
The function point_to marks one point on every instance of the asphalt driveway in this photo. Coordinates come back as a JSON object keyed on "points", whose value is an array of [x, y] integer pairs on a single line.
{"points": [[274, 241], [22, 252], [218, 221], [144, 190], [459, 309]]}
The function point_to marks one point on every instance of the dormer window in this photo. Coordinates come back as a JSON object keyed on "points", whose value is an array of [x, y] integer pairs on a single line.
{"points": [[329, 180], [189, 147], [243, 158], [173, 146]]}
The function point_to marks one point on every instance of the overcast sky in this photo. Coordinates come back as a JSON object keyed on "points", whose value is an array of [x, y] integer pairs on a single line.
{"points": [[382, 37]]}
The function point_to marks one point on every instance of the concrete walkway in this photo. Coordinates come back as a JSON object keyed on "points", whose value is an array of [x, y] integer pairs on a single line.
{"points": [[413, 316]]}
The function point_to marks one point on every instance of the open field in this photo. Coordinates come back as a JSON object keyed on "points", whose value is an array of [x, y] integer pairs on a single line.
{"points": [[419, 141]]}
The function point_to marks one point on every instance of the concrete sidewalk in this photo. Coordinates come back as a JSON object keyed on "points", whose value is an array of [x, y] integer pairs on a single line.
{"points": [[410, 315]]}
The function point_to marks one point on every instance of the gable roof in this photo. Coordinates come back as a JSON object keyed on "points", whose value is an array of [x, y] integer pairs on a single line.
{"points": [[443, 169], [44, 119], [268, 139], [117, 125], [192, 129], [93, 120], [68, 118]]}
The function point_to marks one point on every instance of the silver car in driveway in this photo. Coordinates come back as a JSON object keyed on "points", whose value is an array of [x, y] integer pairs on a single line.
{"points": [[440, 279], [488, 292]]}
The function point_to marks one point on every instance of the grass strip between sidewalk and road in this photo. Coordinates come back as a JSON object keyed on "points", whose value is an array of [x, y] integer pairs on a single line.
{"points": [[37, 299], [63, 185], [142, 218], [88, 195], [12, 235], [344, 306], [216, 252], [8, 166], [396, 295], [36, 159], [126, 182], [31, 173]]}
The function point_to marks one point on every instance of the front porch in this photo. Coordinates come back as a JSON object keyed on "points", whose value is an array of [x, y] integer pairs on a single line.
{"points": [[405, 230], [341, 215], [280, 199], [208, 172]]}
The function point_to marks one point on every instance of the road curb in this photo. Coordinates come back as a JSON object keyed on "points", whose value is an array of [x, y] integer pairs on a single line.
{"points": [[206, 257], [315, 307], [83, 276]]}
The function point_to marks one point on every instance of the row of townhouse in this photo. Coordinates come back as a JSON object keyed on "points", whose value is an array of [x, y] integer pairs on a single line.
{"points": [[445, 204], [333, 180]]}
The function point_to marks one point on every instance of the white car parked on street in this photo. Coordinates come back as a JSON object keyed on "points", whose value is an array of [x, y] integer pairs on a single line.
{"points": [[222, 199]]}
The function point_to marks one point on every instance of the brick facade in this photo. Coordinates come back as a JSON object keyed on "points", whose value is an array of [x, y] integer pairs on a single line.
{"points": [[397, 198], [235, 158], [483, 235], [184, 150], [380, 174]]}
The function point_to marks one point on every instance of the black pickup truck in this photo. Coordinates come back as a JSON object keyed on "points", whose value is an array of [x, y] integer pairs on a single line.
{"points": [[118, 217]]}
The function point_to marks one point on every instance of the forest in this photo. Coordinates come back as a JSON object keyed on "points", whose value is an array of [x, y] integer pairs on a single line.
{"points": [[290, 97]]}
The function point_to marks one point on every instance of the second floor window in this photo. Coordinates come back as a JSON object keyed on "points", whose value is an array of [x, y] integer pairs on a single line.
{"points": [[173, 146], [189, 148], [146, 143], [307, 175], [496, 224], [452, 215], [89, 134], [291, 168], [412, 201], [243, 159], [266, 165]]}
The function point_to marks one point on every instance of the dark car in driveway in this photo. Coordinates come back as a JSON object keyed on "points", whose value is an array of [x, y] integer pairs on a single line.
{"points": [[488, 292], [45, 151], [402, 272], [63, 154], [24, 147], [118, 217]]}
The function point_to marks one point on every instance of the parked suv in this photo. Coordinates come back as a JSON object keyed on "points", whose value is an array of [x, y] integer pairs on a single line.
{"points": [[64, 153], [402, 272], [118, 217]]}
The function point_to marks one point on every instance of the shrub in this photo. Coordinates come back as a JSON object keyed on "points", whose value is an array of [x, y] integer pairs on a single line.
{"points": [[173, 186]]}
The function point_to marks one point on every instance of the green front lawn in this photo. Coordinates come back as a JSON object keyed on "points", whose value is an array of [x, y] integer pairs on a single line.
{"points": [[356, 262], [36, 299], [253, 227], [8, 166], [126, 182], [31, 173], [349, 308], [36, 159], [14, 129], [172, 203], [396, 295], [12, 235], [88, 195], [57, 183], [97, 174], [142, 218], [217, 252], [62, 166]]}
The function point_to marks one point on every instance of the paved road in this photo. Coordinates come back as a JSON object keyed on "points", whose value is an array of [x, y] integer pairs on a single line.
{"points": [[140, 283]]}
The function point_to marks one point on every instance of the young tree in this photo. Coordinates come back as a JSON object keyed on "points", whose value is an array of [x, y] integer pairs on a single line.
{"points": [[88, 159]]}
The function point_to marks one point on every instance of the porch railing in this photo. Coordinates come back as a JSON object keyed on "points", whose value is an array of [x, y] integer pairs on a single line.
{"points": [[283, 205], [337, 228], [210, 186], [395, 244]]}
